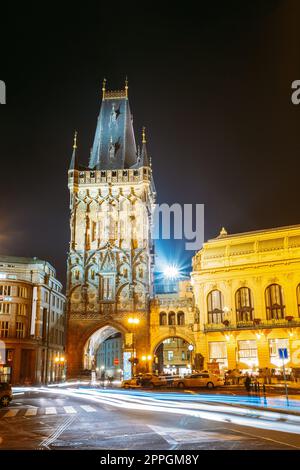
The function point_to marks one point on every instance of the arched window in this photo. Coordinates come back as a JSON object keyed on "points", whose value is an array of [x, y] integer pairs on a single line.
{"points": [[162, 318], [298, 299], [274, 302], [180, 318], [215, 306], [243, 304], [172, 319]]}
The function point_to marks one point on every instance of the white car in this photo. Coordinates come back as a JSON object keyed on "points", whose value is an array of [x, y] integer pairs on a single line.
{"points": [[203, 379]]}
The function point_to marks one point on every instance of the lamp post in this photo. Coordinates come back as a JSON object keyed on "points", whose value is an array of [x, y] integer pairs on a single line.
{"points": [[133, 322], [191, 349]]}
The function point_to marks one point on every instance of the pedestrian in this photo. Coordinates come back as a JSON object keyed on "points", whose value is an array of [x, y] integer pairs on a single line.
{"points": [[248, 383]]}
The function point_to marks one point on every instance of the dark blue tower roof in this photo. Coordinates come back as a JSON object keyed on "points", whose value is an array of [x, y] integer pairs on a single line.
{"points": [[114, 144]]}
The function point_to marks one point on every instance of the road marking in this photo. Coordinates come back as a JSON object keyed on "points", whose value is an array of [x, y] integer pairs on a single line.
{"points": [[256, 436], [11, 413], [69, 409], [181, 436], [31, 412], [87, 408], [57, 432], [50, 411]]}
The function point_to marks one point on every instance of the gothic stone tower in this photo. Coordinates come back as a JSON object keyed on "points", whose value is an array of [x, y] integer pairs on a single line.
{"points": [[110, 260]]}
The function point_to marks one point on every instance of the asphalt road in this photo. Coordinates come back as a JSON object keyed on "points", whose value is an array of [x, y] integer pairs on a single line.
{"points": [[59, 419]]}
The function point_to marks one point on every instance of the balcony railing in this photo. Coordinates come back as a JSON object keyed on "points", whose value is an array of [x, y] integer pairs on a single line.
{"points": [[170, 302], [250, 325]]}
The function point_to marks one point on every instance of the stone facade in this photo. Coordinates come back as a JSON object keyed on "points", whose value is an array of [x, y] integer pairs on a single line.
{"points": [[32, 321], [110, 260]]}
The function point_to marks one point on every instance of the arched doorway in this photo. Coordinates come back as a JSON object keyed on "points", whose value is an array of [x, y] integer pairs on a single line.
{"points": [[174, 355], [104, 354]]}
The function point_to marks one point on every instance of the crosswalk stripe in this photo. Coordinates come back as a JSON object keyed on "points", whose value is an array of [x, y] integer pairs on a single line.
{"points": [[88, 408], [10, 413], [51, 411], [69, 409], [31, 412]]}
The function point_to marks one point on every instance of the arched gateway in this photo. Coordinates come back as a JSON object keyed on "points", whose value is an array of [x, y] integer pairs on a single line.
{"points": [[109, 275]]}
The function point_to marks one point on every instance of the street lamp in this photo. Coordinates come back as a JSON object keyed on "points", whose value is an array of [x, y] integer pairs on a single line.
{"points": [[191, 349], [133, 322]]}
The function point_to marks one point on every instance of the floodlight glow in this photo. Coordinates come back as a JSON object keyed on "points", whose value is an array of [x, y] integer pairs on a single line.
{"points": [[171, 272]]}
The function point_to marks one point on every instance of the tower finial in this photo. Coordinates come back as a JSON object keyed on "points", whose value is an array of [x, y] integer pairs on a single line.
{"points": [[126, 86], [103, 88], [144, 135], [75, 141]]}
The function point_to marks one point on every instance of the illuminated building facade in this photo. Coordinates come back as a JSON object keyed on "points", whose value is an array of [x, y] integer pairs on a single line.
{"points": [[247, 290], [110, 256], [32, 322]]}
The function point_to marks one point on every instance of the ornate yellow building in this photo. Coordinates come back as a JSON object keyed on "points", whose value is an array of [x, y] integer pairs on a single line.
{"points": [[247, 290]]}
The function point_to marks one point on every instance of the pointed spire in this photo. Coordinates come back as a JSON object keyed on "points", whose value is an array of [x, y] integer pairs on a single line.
{"points": [[223, 233], [144, 135], [103, 88], [73, 164], [126, 86], [144, 154]]}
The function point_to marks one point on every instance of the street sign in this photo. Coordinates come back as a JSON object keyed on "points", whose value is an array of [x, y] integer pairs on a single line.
{"points": [[283, 353]]}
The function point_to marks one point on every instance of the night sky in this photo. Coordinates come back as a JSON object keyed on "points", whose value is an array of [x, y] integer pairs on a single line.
{"points": [[212, 86]]}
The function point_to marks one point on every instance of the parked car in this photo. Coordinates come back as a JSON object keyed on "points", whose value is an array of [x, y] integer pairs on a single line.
{"points": [[207, 380], [5, 394], [152, 380], [131, 383]]}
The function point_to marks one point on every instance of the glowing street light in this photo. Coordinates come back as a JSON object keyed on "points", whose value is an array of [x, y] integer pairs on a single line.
{"points": [[171, 272]]}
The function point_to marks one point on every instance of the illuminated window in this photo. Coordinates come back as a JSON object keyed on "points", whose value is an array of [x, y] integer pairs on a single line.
{"points": [[215, 306], [170, 355], [20, 330], [5, 308], [4, 329], [298, 299], [5, 290], [107, 285], [172, 319], [274, 302], [162, 318], [218, 352], [180, 318], [21, 309], [243, 305], [22, 292], [275, 344], [247, 350]]}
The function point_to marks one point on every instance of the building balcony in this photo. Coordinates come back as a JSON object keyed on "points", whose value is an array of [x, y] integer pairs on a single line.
{"points": [[171, 303], [251, 325]]}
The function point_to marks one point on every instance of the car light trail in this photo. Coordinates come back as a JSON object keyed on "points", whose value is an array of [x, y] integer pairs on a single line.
{"points": [[239, 416]]}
